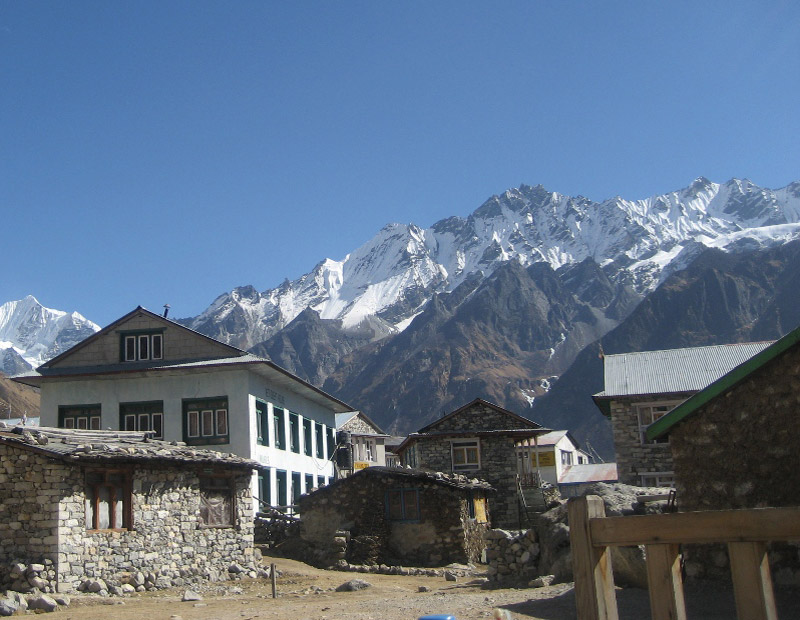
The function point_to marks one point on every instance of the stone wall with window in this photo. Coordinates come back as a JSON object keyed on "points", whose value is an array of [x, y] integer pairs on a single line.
{"points": [[391, 519], [639, 463], [497, 466], [180, 524]]}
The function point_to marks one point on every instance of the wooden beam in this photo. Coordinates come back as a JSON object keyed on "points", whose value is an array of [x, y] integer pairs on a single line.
{"points": [[591, 566], [754, 525], [664, 582], [752, 582]]}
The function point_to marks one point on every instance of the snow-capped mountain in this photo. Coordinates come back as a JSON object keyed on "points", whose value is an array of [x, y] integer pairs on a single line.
{"points": [[391, 277], [34, 333]]}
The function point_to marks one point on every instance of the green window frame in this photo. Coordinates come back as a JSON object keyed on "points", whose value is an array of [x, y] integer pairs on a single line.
{"points": [[264, 488], [294, 432], [331, 443], [281, 482], [279, 428], [84, 417], [143, 416], [206, 421], [307, 437], [262, 423]]}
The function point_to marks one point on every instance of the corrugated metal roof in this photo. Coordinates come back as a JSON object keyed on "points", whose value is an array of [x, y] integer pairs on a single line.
{"points": [[673, 370], [595, 472]]}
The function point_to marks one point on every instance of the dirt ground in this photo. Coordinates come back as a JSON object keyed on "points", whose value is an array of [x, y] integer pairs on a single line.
{"points": [[309, 593]]}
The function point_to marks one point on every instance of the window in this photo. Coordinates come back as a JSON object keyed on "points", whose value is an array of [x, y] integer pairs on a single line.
{"points": [[280, 431], [294, 432], [318, 434], [309, 482], [108, 499], [283, 489], [264, 489], [307, 437], [465, 455], [657, 479], [146, 416], [402, 505], [262, 429], [566, 457], [331, 442], [216, 501], [141, 346], [205, 421], [320, 481], [649, 413], [297, 490], [79, 416]]}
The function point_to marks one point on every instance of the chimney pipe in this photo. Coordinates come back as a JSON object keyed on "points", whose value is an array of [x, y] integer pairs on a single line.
{"points": [[166, 310]]}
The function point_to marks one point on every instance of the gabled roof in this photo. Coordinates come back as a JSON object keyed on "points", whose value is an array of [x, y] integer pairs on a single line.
{"points": [[115, 447], [678, 372], [344, 418], [662, 426], [523, 422], [238, 357], [138, 310]]}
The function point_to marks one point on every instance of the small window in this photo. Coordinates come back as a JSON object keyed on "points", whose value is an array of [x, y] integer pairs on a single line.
{"points": [[307, 437], [280, 434], [206, 421], [566, 457], [108, 500], [262, 430], [282, 489], [294, 432], [402, 505], [331, 442], [216, 501], [142, 346], [649, 413], [79, 416], [319, 430], [465, 455]]}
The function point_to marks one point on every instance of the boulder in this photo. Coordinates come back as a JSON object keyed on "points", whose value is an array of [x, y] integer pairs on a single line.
{"points": [[353, 585]]}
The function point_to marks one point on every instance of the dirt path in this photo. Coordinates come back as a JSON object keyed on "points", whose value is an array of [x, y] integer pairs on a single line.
{"points": [[308, 593]]}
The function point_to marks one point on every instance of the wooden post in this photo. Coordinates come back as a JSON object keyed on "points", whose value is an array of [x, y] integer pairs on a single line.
{"points": [[664, 582], [752, 582], [273, 576], [591, 566]]}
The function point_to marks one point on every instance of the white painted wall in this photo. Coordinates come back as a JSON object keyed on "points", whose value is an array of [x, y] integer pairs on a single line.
{"points": [[241, 386]]}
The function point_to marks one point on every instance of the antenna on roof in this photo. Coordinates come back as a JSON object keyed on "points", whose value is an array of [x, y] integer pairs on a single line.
{"points": [[166, 310]]}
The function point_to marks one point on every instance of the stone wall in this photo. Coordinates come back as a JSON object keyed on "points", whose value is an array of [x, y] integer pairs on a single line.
{"points": [[43, 520], [354, 512], [358, 426], [632, 456], [477, 417], [498, 467], [740, 450], [30, 489]]}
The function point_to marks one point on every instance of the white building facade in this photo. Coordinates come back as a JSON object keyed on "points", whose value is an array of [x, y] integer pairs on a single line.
{"points": [[147, 373]]}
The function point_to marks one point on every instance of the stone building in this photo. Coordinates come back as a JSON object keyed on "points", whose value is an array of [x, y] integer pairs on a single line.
{"points": [[395, 516], [735, 443], [144, 372], [120, 507], [643, 386], [478, 440], [360, 443]]}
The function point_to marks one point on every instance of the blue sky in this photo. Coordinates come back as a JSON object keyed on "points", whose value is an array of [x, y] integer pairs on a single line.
{"points": [[166, 152]]}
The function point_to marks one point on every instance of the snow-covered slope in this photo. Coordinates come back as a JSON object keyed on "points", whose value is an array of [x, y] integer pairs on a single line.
{"points": [[37, 333], [393, 275]]}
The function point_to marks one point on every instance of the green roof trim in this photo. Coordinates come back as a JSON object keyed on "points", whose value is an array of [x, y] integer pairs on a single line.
{"points": [[663, 425]]}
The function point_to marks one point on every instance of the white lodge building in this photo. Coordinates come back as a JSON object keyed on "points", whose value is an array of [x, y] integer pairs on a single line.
{"points": [[145, 372]]}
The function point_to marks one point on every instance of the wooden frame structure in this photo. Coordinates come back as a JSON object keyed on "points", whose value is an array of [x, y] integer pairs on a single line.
{"points": [[746, 533]]}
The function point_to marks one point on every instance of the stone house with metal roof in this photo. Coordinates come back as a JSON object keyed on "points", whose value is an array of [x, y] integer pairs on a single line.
{"points": [[735, 443], [120, 507], [481, 440], [144, 372], [641, 387]]}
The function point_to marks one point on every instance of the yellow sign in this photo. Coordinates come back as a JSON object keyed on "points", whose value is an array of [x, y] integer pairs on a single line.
{"points": [[360, 465], [547, 459]]}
